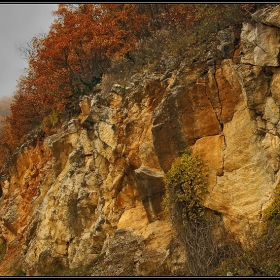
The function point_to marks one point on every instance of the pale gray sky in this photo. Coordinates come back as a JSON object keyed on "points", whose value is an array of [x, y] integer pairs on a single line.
{"points": [[18, 24]]}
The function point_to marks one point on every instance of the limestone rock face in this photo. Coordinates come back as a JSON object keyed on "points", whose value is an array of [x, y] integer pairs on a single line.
{"points": [[261, 39], [150, 186], [92, 192], [268, 16]]}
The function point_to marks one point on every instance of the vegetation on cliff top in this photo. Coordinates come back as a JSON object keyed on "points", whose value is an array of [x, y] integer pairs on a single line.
{"points": [[83, 43]]}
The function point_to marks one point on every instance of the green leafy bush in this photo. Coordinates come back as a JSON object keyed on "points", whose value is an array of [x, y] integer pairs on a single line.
{"points": [[186, 185], [193, 223]]}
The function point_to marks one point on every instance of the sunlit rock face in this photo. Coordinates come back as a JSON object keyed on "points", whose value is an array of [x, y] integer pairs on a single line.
{"points": [[95, 187]]}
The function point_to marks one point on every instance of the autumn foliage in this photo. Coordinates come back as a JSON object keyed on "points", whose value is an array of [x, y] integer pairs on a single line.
{"points": [[77, 51]]}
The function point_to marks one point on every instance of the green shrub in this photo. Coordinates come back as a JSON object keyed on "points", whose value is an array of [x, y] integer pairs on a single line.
{"points": [[272, 213], [186, 186], [193, 223]]}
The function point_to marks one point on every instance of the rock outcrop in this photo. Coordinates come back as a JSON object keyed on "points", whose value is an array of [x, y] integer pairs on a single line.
{"points": [[94, 189]]}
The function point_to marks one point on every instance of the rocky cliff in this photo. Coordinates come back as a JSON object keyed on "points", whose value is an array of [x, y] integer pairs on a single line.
{"points": [[94, 189]]}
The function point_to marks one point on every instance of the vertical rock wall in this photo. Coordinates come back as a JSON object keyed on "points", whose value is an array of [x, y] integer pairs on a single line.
{"points": [[95, 188]]}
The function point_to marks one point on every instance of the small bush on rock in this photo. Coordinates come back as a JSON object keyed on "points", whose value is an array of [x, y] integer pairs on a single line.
{"points": [[186, 186]]}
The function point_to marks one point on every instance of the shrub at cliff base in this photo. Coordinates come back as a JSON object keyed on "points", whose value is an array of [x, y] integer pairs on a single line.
{"points": [[186, 187]]}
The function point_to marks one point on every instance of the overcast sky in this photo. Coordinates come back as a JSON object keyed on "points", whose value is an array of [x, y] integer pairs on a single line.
{"points": [[18, 24]]}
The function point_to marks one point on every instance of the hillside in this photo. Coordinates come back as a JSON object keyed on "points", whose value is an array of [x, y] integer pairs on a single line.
{"points": [[157, 156]]}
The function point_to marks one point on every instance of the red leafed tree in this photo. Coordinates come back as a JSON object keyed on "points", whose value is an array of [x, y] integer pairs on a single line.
{"points": [[71, 59], [81, 42]]}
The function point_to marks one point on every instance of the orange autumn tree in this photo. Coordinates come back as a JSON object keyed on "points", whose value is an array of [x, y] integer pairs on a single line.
{"points": [[71, 60], [82, 42], [68, 62]]}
